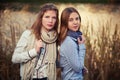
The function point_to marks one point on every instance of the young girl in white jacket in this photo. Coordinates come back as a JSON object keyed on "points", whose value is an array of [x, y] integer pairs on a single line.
{"points": [[36, 49]]}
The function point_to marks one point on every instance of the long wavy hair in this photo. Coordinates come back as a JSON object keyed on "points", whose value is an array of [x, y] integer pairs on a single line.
{"points": [[37, 25], [64, 22]]}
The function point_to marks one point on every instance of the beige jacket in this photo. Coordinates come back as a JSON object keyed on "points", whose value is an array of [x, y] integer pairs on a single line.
{"points": [[25, 54]]}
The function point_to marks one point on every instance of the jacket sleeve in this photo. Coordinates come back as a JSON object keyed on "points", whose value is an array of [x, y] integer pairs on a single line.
{"points": [[20, 53], [81, 54], [75, 58]]}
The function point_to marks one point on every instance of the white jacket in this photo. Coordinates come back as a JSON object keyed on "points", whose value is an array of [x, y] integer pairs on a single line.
{"points": [[25, 54]]}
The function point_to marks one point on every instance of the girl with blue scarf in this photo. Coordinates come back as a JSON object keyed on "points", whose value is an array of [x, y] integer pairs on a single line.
{"points": [[72, 47]]}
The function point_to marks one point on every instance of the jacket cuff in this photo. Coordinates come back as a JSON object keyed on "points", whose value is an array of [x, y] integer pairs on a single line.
{"points": [[82, 46], [32, 53]]}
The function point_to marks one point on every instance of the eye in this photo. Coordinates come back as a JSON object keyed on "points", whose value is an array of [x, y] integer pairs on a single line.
{"points": [[54, 17], [71, 19], [46, 16], [77, 18]]}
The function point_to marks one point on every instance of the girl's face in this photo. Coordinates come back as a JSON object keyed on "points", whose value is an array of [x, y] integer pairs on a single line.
{"points": [[48, 20], [73, 21]]}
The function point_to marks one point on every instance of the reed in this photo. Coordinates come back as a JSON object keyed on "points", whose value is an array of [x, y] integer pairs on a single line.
{"points": [[103, 55], [8, 70]]}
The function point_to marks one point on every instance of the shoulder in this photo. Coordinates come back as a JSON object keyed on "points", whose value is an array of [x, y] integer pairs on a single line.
{"points": [[69, 39], [68, 42], [26, 33]]}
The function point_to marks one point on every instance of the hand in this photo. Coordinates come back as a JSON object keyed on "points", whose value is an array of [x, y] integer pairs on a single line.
{"points": [[81, 41], [38, 45], [84, 71]]}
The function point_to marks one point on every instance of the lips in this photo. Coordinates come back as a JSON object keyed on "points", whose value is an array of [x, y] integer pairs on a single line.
{"points": [[50, 25], [75, 26]]}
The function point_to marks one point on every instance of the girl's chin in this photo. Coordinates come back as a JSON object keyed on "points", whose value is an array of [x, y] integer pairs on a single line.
{"points": [[49, 29], [75, 30]]}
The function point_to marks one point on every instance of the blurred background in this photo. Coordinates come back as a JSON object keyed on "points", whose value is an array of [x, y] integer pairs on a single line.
{"points": [[100, 25]]}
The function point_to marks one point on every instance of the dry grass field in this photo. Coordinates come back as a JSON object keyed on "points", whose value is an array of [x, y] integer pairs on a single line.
{"points": [[100, 25]]}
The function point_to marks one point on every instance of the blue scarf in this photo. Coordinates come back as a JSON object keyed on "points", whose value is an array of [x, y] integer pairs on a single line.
{"points": [[74, 34]]}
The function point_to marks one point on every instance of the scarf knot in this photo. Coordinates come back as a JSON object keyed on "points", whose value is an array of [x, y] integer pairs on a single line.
{"points": [[74, 34], [49, 37]]}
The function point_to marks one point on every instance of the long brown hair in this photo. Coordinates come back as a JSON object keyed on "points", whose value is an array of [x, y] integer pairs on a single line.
{"points": [[36, 27], [64, 22]]}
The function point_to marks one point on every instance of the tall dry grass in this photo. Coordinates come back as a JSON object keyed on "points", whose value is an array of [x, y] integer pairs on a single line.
{"points": [[103, 55], [8, 70]]}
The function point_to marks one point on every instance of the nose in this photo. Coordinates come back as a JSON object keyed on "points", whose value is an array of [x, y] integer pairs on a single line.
{"points": [[50, 20], [75, 21]]}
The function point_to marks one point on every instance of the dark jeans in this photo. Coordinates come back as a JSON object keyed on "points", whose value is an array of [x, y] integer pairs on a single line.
{"points": [[40, 79]]}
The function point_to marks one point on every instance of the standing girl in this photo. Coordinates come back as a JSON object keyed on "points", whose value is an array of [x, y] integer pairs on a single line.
{"points": [[72, 47], [36, 49]]}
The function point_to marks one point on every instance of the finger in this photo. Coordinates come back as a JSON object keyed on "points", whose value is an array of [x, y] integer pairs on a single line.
{"points": [[40, 40], [78, 39]]}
